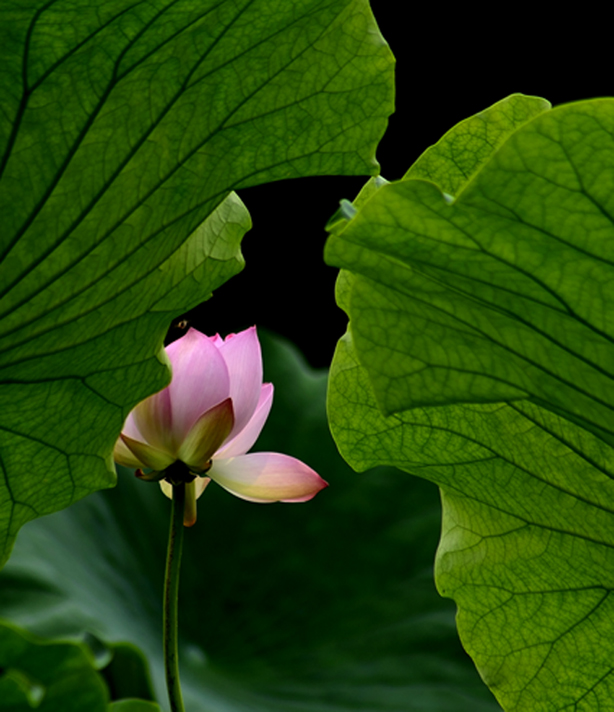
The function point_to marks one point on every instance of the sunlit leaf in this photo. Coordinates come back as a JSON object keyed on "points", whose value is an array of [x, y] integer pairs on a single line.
{"points": [[478, 319], [526, 545], [453, 160], [502, 294]]}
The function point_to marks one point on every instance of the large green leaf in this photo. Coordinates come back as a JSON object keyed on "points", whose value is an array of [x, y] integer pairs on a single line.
{"points": [[123, 126], [527, 541], [322, 606], [491, 310], [502, 294]]}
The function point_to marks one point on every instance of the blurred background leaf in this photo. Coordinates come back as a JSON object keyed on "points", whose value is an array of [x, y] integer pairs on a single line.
{"points": [[133, 706], [48, 676]]}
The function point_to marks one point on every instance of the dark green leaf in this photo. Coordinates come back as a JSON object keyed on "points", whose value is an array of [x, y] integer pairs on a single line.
{"points": [[49, 677], [127, 673]]}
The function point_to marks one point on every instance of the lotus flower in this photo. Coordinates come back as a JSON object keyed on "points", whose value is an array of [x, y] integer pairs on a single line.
{"points": [[207, 418]]}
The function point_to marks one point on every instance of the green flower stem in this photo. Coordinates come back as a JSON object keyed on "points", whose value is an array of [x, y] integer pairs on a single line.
{"points": [[171, 594]]}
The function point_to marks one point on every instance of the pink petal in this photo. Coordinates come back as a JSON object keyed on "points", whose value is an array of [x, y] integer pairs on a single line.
{"points": [[123, 455], [200, 483], [245, 440], [167, 488], [130, 428], [200, 380], [148, 455], [206, 435], [152, 419], [267, 477], [243, 357], [121, 452]]}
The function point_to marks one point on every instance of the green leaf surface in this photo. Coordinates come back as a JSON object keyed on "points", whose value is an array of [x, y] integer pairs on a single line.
{"points": [[60, 411], [503, 294], [49, 677], [326, 606], [124, 126], [453, 160], [474, 325], [527, 540]]}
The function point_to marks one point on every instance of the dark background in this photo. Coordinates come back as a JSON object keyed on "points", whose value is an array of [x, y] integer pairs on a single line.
{"points": [[450, 65]]}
